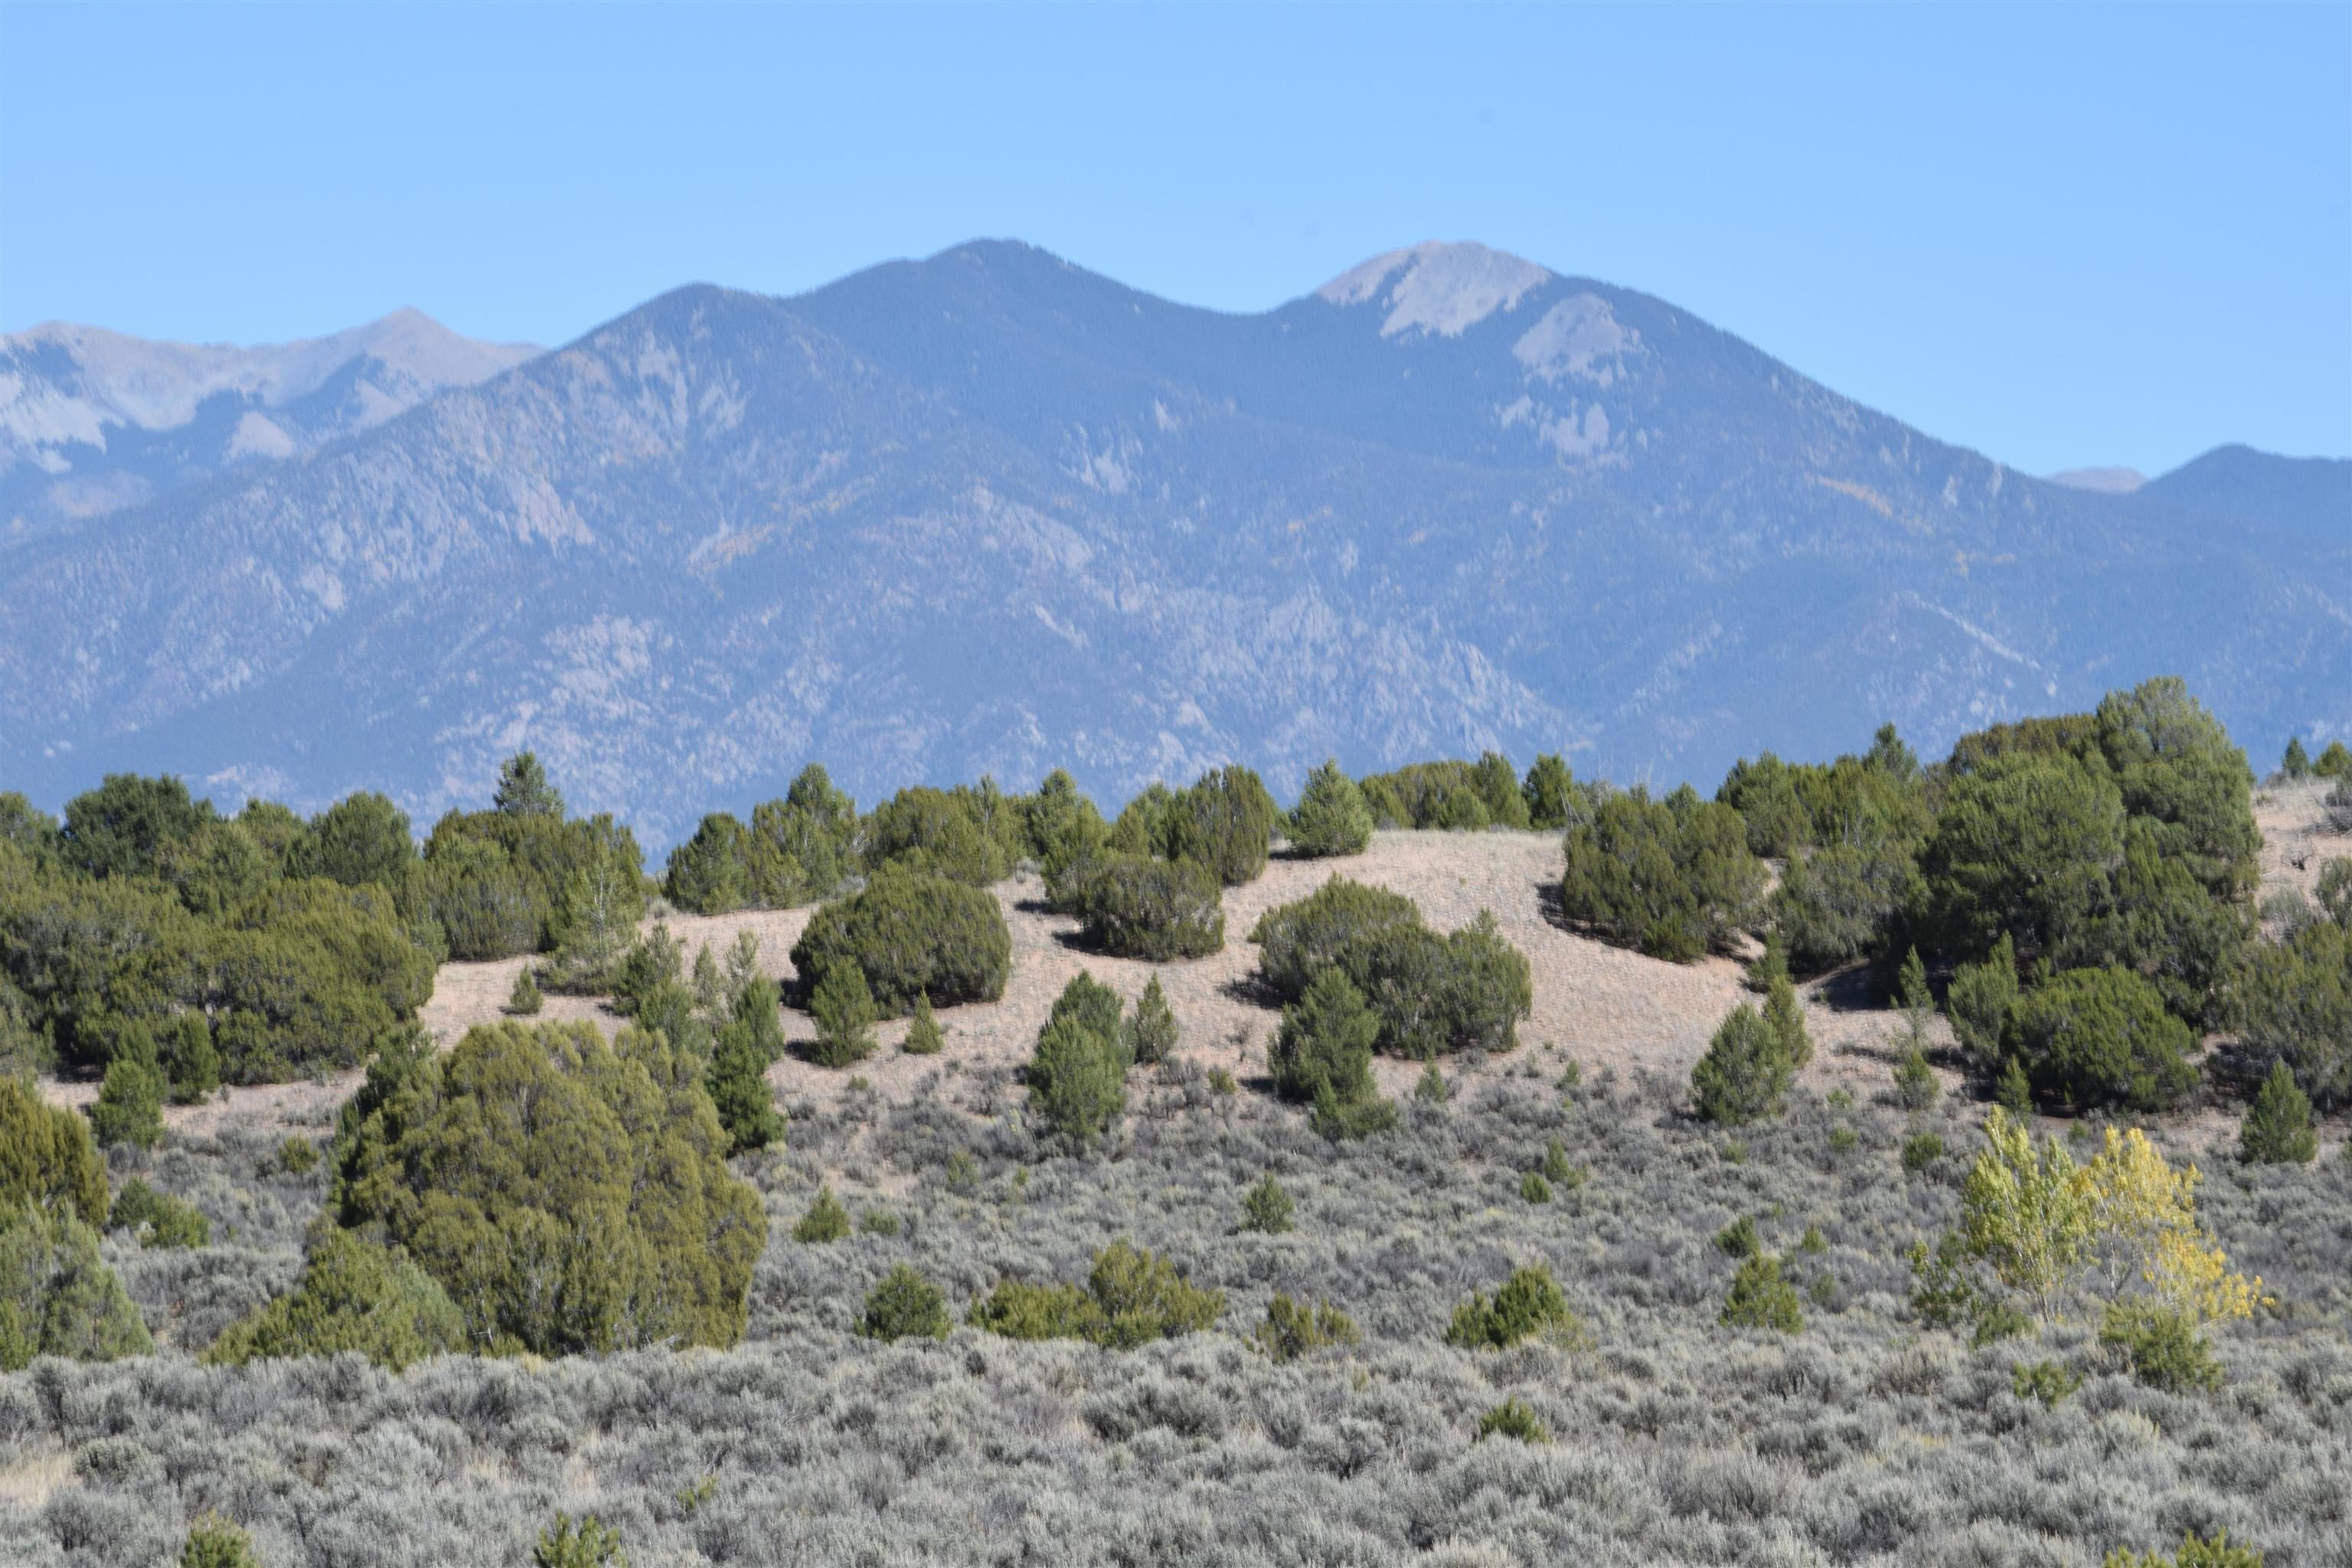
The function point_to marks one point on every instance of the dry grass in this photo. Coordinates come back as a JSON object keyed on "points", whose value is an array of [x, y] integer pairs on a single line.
{"points": [[30, 1476]]}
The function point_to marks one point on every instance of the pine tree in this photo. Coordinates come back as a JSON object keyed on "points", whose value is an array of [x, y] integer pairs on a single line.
{"points": [[2277, 1130], [923, 1039], [709, 986], [1916, 1088], [1152, 1031], [1743, 1075], [1331, 817], [214, 1542], [2014, 1091], [525, 1001], [524, 789], [2296, 763], [738, 1081], [1265, 1207], [844, 1009], [191, 1062], [1914, 997], [1431, 1089], [1787, 1021], [825, 1221], [130, 1108], [1769, 965]]}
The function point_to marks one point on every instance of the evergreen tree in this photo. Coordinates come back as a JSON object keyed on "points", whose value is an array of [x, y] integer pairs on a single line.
{"points": [[1077, 1077], [844, 1010], [1914, 997], [214, 1542], [1916, 1088], [825, 1221], [905, 1305], [191, 1064], [1430, 1087], [737, 1083], [524, 789], [923, 1039], [354, 1296], [1549, 790], [709, 986], [1980, 1001], [1152, 1031], [524, 1001], [130, 1108], [2277, 1130], [1762, 1298], [1786, 1018], [2296, 763], [1743, 1075], [1265, 1207], [1331, 817], [2014, 1091], [1326, 1043], [1770, 964]]}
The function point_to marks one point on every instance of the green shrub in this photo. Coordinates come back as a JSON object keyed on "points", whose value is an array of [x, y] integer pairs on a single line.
{"points": [[1980, 1001], [2292, 1002], [843, 1009], [912, 933], [1762, 1298], [905, 1305], [354, 1296], [1529, 1305], [943, 833], [737, 1076], [1738, 1239], [1920, 1150], [826, 1220], [1265, 1207], [1916, 1089], [57, 1296], [2048, 1380], [1077, 1076], [1671, 883], [1300, 941], [923, 1039], [1534, 1189], [2195, 1552], [2161, 1346], [297, 1155], [1430, 1087], [1151, 1033], [570, 1194], [1786, 1020], [47, 1159], [2277, 1130], [1131, 906], [1293, 1328], [1834, 905], [589, 1545], [191, 1064], [1226, 822], [1130, 1298], [1330, 818], [2092, 1037], [1743, 1074], [130, 1108], [1550, 794], [1455, 796], [1514, 1420], [2335, 762], [158, 1220], [524, 1001], [1325, 1043], [1016, 1310], [214, 1542]]}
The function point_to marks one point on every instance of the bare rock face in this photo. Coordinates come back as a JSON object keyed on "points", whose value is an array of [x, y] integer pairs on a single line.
{"points": [[92, 421], [989, 512]]}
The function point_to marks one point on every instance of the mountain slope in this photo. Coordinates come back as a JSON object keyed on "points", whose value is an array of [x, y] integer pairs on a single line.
{"points": [[992, 512], [92, 421]]}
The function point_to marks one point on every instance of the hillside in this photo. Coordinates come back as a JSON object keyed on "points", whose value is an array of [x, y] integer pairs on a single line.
{"points": [[991, 513]]}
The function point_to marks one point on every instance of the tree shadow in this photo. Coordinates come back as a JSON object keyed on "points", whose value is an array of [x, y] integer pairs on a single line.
{"points": [[1852, 989]]}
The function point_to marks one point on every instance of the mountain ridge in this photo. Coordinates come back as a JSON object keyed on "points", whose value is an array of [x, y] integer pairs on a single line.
{"points": [[989, 511]]}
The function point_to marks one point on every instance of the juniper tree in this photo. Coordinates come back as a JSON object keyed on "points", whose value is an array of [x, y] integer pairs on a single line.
{"points": [[923, 1039], [844, 1010], [1744, 1073], [2277, 1130], [1331, 817], [1151, 1030]]}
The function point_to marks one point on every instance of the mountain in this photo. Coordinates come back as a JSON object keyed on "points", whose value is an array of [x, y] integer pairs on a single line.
{"points": [[992, 512], [2309, 497], [92, 421]]}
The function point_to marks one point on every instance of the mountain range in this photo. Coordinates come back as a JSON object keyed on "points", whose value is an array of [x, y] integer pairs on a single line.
{"points": [[989, 512], [92, 421]]}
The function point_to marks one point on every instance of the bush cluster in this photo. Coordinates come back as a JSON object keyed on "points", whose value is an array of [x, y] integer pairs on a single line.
{"points": [[1672, 878], [1432, 994], [911, 933]]}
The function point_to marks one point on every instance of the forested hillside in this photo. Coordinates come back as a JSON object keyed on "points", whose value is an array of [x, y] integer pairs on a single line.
{"points": [[2002, 1211]]}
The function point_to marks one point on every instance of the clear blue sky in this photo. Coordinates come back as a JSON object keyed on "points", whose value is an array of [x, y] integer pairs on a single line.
{"points": [[2064, 236]]}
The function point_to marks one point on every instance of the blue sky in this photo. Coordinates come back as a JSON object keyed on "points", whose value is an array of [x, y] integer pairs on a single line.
{"points": [[2064, 236]]}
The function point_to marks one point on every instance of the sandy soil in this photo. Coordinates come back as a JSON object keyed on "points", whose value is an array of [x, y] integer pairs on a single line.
{"points": [[2297, 839]]}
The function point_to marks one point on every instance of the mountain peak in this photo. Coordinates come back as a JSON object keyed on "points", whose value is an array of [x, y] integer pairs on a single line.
{"points": [[1440, 287]]}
